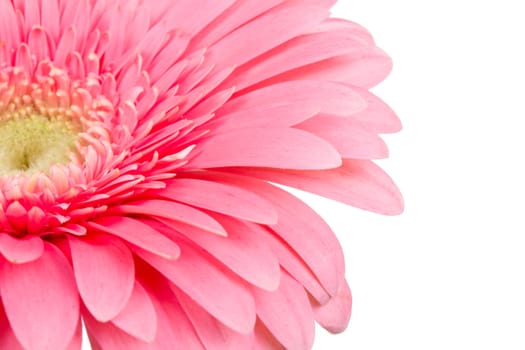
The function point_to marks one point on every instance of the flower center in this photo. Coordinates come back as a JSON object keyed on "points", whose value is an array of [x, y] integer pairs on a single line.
{"points": [[33, 142]]}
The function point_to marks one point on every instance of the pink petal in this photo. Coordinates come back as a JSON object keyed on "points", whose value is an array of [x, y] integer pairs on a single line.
{"points": [[108, 336], [242, 11], [220, 198], [173, 211], [76, 342], [105, 274], [294, 265], [249, 41], [212, 333], [377, 117], [330, 97], [350, 139], [7, 337], [335, 315], [270, 147], [298, 52], [321, 251], [287, 314], [365, 69], [48, 316], [137, 233], [21, 250], [138, 318], [359, 183], [243, 252], [264, 340], [213, 288]]}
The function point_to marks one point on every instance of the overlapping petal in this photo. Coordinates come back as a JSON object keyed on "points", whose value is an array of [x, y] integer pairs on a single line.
{"points": [[162, 223]]}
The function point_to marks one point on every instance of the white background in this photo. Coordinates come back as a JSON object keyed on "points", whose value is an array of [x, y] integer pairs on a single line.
{"points": [[450, 272]]}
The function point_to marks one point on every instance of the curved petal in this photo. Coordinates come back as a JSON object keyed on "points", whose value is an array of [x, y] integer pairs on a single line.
{"points": [[335, 315], [349, 139], [137, 233], [243, 252], [21, 250], [220, 198], [270, 147], [207, 284], [104, 272], [212, 333], [48, 316], [359, 183], [138, 318], [321, 251], [173, 211], [287, 314]]}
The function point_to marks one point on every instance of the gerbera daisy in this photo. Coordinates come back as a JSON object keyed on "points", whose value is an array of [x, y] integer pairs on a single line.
{"points": [[139, 144]]}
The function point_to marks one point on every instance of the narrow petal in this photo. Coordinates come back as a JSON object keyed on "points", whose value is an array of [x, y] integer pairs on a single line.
{"points": [[321, 251], [212, 333], [359, 183], [335, 315], [220, 198], [21, 250], [281, 24], [349, 138], [287, 314], [173, 211], [271, 147], [105, 274], [137, 233], [48, 316], [138, 318], [219, 293], [245, 253], [7, 337]]}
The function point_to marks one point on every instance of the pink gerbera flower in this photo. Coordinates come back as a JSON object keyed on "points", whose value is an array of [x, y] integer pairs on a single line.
{"points": [[139, 141]]}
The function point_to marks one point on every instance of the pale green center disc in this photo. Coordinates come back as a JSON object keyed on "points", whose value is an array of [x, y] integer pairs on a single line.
{"points": [[34, 143]]}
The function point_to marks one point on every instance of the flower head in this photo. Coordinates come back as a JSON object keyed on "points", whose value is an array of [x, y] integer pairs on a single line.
{"points": [[139, 144]]}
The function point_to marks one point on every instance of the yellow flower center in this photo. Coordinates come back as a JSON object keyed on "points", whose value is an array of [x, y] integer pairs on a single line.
{"points": [[33, 142]]}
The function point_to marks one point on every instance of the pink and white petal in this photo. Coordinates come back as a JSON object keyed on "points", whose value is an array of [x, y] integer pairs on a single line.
{"points": [[243, 252], [284, 148], [220, 293], [349, 138], [48, 316], [137, 233], [220, 198], [104, 272], [359, 183], [173, 211], [287, 314], [212, 333], [21, 250], [335, 315], [138, 318]]}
